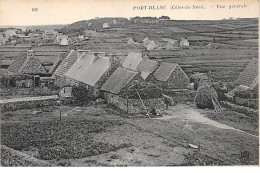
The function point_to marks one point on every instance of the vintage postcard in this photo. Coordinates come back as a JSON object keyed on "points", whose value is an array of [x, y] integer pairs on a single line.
{"points": [[136, 83]]}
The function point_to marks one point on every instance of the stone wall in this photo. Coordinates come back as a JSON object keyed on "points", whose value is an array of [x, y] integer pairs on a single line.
{"points": [[241, 109], [27, 103], [177, 80], [181, 95], [134, 106]]}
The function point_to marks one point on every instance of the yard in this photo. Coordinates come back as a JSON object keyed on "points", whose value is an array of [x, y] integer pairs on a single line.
{"points": [[102, 136]]}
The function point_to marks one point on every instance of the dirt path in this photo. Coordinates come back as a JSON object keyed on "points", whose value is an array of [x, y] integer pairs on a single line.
{"points": [[189, 114]]}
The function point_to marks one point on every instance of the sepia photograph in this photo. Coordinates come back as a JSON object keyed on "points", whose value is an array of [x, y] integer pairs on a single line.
{"points": [[134, 83]]}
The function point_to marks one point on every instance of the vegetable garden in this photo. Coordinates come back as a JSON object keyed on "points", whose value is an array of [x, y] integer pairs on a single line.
{"points": [[59, 139]]}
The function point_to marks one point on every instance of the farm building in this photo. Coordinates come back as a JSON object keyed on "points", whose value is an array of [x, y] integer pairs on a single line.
{"points": [[146, 67], [247, 81], [152, 45], [105, 26], [132, 61], [169, 76], [184, 42], [27, 64], [59, 75], [90, 71], [249, 74], [64, 41], [128, 91]]}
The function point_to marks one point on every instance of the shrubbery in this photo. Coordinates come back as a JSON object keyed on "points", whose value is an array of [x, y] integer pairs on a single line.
{"points": [[82, 95]]}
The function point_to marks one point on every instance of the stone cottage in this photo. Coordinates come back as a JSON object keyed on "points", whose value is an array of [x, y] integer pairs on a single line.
{"points": [[169, 76], [90, 71], [28, 68], [26, 64], [59, 75], [128, 91]]}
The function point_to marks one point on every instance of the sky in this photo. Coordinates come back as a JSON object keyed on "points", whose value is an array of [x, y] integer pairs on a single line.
{"points": [[19, 12]]}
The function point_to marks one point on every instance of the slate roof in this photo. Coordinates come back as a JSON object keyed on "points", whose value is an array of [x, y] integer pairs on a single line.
{"points": [[18, 63], [164, 71], [118, 80], [146, 67], [248, 75], [132, 61], [89, 69], [67, 63]]}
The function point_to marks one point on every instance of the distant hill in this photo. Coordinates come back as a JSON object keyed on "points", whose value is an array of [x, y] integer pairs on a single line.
{"points": [[93, 24], [33, 27]]}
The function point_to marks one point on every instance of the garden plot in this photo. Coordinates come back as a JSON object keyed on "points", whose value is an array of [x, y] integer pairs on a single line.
{"points": [[58, 139]]}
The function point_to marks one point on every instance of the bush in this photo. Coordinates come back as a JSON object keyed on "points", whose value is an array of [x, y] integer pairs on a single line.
{"points": [[82, 95], [203, 97]]}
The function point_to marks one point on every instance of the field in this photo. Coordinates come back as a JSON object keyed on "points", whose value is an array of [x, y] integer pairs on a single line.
{"points": [[102, 136]]}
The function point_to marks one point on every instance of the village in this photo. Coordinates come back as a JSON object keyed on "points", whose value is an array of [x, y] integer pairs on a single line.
{"points": [[144, 91]]}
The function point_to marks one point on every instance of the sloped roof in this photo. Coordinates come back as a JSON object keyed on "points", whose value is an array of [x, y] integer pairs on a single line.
{"points": [[89, 69], [238, 89], [146, 67], [18, 63], [132, 61], [24, 64], [248, 75], [164, 71], [118, 80], [67, 63]]}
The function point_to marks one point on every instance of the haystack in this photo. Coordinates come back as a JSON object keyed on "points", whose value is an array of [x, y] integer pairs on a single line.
{"points": [[204, 95]]}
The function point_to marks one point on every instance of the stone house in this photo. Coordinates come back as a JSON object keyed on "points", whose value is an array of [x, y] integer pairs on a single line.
{"points": [[128, 91], [169, 76], [90, 71], [27, 64], [59, 75]]}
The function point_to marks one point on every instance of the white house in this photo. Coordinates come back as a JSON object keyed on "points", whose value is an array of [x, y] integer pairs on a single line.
{"points": [[105, 25], [64, 41]]}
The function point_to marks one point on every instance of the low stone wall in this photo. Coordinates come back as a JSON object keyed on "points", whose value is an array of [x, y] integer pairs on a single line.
{"points": [[134, 106], [27, 103], [241, 109], [181, 95]]}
